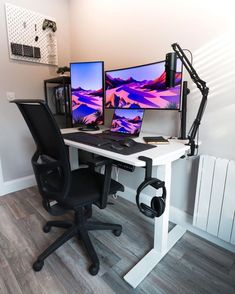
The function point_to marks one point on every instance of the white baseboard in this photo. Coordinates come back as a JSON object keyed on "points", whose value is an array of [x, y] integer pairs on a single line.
{"points": [[17, 184], [186, 220], [180, 217]]}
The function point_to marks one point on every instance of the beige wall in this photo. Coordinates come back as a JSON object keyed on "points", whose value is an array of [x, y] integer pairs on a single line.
{"points": [[26, 80], [131, 32]]}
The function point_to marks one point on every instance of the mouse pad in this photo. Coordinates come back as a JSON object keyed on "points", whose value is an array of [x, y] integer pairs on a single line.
{"points": [[137, 147]]}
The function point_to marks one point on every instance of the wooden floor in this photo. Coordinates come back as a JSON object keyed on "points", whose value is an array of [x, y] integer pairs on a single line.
{"points": [[192, 266]]}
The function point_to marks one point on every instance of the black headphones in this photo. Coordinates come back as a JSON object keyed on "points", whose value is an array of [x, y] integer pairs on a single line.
{"points": [[157, 203]]}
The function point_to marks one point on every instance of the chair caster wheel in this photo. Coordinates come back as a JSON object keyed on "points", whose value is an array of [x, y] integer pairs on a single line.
{"points": [[93, 269], [37, 266], [46, 228], [117, 233]]}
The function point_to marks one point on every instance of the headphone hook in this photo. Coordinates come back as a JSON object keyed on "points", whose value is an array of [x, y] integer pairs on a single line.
{"points": [[148, 167]]}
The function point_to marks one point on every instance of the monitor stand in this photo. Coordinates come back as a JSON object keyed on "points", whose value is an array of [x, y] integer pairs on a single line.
{"points": [[185, 93], [89, 128]]}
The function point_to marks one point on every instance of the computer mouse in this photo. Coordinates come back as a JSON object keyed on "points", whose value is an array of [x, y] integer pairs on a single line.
{"points": [[127, 142]]}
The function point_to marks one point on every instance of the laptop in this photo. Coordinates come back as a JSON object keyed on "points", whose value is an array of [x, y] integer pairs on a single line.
{"points": [[126, 123]]}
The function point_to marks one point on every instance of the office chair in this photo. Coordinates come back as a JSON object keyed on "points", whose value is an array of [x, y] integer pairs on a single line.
{"points": [[74, 190]]}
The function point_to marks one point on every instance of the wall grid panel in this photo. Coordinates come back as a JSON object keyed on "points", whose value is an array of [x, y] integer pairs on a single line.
{"points": [[215, 197], [23, 26]]}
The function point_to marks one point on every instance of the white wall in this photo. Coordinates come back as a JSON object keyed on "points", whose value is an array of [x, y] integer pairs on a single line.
{"points": [[26, 80], [131, 32]]}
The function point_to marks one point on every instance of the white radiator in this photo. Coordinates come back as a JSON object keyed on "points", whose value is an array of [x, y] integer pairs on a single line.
{"points": [[214, 210]]}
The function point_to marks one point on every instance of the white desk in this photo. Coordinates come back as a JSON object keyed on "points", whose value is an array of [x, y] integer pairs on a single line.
{"points": [[162, 156]]}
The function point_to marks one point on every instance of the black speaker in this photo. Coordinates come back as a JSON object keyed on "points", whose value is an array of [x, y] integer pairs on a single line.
{"points": [[157, 203], [170, 67]]}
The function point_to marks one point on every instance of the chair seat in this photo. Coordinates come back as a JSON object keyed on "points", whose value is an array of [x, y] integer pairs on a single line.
{"points": [[86, 188]]}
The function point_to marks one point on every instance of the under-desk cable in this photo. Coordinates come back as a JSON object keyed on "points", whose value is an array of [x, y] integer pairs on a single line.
{"points": [[116, 179]]}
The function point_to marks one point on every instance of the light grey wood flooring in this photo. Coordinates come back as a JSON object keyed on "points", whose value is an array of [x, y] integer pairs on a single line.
{"points": [[193, 265]]}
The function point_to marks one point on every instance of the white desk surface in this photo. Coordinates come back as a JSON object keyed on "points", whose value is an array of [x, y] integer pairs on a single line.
{"points": [[160, 155]]}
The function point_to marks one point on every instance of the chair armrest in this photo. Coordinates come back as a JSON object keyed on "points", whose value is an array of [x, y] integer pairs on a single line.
{"points": [[44, 167], [100, 161], [47, 163]]}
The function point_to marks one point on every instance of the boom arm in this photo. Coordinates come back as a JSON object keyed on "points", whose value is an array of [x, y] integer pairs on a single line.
{"points": [[201, 85]]}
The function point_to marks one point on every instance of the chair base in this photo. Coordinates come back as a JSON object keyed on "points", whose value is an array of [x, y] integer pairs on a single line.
{"points": [[80, 229]]}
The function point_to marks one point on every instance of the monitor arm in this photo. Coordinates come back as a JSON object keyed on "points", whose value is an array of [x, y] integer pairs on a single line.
{"points": [[201, 85]]}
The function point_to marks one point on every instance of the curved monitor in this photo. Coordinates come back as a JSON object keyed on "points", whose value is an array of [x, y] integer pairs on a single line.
{"points": [[142, 87], [87, 93]]}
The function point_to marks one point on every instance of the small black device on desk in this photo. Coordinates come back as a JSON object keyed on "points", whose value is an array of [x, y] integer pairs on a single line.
{"points": [[155, 140]]}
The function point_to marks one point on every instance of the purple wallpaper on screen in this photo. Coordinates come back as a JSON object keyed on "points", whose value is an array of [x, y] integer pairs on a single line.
{"points": [[142, 87], [127, 121], [87, 93]]}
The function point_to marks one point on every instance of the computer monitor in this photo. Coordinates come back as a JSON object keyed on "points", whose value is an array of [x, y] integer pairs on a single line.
{"points": [[143, 87], [127, 121], [87, 93]]}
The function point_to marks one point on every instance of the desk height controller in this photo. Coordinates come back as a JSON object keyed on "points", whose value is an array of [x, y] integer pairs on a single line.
{"points": [[123, 165]]}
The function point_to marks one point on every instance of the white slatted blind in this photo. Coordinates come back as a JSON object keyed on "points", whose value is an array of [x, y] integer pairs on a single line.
{"points": [[215, 197]]}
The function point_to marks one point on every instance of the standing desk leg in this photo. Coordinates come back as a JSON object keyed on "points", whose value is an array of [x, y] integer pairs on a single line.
{"points": [[161, 223], [163, 241], [73, 158]]}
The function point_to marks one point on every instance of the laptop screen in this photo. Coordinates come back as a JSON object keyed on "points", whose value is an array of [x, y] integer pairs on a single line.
{"points": [[127, 121]]}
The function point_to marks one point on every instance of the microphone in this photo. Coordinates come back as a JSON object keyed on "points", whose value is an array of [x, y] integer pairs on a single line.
{"points": [[170, 68]]}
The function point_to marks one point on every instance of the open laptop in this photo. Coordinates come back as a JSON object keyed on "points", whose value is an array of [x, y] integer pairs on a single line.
{"points": [[126, 123]]}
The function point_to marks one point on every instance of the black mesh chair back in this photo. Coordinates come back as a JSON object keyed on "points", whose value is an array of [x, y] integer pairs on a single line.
{"points": [[50, 160]]}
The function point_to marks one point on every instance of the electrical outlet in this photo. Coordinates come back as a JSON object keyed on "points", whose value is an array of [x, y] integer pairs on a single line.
{"points": [[10, 96]]}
